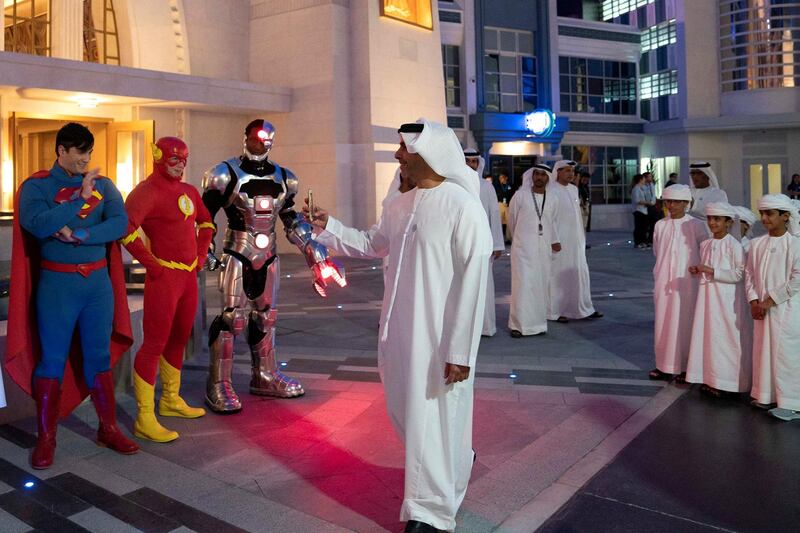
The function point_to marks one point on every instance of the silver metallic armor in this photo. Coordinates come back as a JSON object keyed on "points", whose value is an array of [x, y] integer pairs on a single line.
{"points": [[255, 192]]}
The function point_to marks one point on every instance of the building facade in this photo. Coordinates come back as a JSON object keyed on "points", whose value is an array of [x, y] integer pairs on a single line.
{"points": [[635, 84], [336, 78]]}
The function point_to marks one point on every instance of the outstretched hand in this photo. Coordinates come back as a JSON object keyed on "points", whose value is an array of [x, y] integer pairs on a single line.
{"points": [[320, 218]]}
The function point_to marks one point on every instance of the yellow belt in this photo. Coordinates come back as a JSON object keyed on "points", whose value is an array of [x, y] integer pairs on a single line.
{"points": [[174, 265]]}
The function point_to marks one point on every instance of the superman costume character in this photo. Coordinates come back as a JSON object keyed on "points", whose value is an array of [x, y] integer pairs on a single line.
{"points": [[179, 228], [67, 281]]}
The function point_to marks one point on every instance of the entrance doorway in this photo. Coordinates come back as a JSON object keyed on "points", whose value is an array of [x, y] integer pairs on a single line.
{"points": [[120, 148], [764, 177]]}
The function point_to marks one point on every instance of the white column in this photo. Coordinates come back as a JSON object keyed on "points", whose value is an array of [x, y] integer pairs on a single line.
{"points": [[66, 29]]}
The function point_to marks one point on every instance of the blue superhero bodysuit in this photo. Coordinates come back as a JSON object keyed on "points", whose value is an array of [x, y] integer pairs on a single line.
{"points": [[67, 299]]}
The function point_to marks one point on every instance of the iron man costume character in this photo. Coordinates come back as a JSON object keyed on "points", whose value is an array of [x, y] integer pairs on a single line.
{"points": [[254, 192], [179, 228]]}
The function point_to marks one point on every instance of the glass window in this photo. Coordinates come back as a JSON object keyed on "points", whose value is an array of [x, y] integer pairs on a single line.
{"points": [[27, 26], [100, 40], [525, 43], [508, 41], [611, 169], [508, 64], [490, 41], [510, 77], [452, 75], [759, 46], [598, 86]]}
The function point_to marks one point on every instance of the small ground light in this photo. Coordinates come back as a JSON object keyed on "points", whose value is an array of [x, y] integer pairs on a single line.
{"points": [[29, 484], [284, 363], [608, 244], [338, 307], [611, 294], [512, 376], [374, 268], [630, 242], [288, 275]]}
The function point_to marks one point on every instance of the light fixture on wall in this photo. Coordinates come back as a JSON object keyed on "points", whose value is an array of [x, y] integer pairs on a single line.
{"points": [[87, 102], [540, 122]]}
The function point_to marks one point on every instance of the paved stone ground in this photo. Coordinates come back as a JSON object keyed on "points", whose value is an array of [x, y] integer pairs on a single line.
{"points": [[330, 460]]}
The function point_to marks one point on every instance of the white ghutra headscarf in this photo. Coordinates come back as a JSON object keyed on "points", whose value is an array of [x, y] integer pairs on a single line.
{"points": [[781, 202], [439, 147]]}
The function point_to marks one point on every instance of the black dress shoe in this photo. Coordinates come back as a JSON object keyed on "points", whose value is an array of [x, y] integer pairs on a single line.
{"points": [[414, 526]]}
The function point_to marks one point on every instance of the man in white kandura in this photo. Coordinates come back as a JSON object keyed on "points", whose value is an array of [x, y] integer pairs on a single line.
{"points": [[772, 282], [676, 245], [570, 292], [705, 188], [438, 243], [490, 205], [533, 224]]}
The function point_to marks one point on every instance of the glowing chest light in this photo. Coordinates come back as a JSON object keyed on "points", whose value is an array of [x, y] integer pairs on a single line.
{"points": [[540, 122], [262, 241]]}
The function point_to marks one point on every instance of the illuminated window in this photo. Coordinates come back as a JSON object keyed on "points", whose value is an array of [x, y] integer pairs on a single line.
{"points": [[759, 44], [658, 36], [660, 84], [610, 167], [615, 8], [100, 39], [509, 67], [416, 12], [452, 75], [26, 25], [597, 86]]}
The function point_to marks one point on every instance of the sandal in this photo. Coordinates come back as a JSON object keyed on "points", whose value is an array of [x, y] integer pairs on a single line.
{"points": [[562, 319], [658, 374], [711, 391], [596, 314], [516, 334], [764, 406], [681, 378]]}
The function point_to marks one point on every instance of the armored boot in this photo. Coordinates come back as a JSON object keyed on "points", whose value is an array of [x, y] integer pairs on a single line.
{"points": [[266, 379], [47, 393], [146, 425], [171, 404], [220, 396], [108, 434]]}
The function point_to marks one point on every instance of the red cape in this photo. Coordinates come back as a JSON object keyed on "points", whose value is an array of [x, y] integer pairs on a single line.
{"points": [[23, 349]]}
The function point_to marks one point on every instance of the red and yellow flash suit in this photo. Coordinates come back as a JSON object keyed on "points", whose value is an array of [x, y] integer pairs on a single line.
{"points": [[179, 229]]}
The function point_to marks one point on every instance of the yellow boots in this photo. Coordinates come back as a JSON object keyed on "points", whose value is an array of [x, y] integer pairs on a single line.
{"points": [[146, 425], [171, 404]]}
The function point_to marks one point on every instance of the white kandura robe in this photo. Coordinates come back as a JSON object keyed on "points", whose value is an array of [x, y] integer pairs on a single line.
{"points": [[746, 245], [490, 205], [570, 291], [531, 258], [773, 269], [676, 245], [721, 346], [438, 244], [702, 197]]}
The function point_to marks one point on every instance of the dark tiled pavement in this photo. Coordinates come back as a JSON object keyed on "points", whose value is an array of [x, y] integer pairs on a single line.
{"points": [[704, 465], [330, 460]]}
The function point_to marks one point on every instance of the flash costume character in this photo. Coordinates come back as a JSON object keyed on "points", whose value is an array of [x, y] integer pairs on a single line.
{"points": [[254, 192], [178, 226]]}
